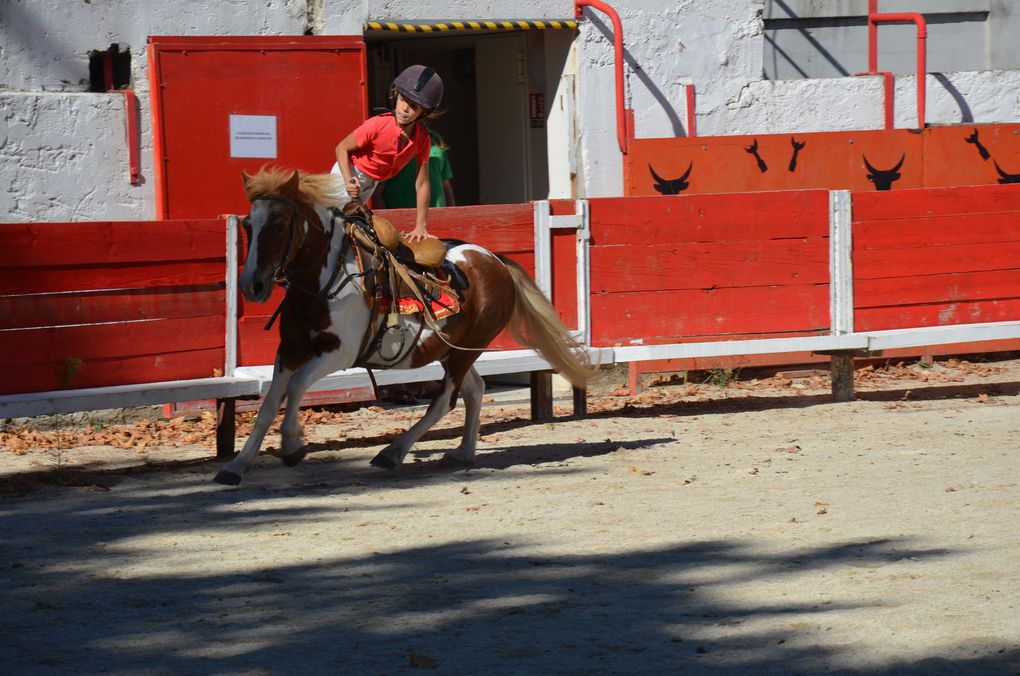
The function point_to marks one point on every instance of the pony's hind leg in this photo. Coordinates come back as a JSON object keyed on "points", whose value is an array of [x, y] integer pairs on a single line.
{"points": [[234, 470], [442, 403], [472, 391]]}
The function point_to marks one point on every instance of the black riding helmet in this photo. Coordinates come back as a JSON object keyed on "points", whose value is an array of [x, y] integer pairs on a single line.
{"points": [[421, 85]]}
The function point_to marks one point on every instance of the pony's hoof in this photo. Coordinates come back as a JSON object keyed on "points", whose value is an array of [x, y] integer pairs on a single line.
{"points": [[449, 460], [292, 459], [383, 462], [227, 478]]}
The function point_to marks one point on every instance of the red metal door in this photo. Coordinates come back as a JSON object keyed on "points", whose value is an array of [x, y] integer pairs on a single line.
{"points": [[223, 104]]}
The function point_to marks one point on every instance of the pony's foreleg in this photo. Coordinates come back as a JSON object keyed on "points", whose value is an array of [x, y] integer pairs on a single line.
{"points": [[442, 403], [233, 471], [472, 390], [292, 443]]}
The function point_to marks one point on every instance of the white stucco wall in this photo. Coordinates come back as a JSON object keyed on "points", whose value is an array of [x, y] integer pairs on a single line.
{"points": [[63, 157], [63, 153]]}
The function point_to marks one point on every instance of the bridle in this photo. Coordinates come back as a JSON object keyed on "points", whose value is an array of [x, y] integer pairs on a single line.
{"points": [[281, 274], [284, 275]]}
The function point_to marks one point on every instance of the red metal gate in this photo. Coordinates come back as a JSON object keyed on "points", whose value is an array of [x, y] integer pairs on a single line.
{"points": [[223, 104]]}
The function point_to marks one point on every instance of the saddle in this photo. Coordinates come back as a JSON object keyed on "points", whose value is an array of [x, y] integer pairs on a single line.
{"points": [[428, 253], [413, 277]]}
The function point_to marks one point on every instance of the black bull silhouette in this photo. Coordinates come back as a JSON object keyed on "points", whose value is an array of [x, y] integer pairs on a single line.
{"points": [[884, 178]]}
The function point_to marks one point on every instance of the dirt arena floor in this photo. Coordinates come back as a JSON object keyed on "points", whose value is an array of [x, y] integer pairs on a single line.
{"points": [[706, 526]]}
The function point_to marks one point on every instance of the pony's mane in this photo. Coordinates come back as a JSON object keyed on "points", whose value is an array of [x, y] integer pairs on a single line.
{"points": [[325, 189]]}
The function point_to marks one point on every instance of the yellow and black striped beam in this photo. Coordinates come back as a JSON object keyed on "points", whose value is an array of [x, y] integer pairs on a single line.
{"points": [[452, 26]]}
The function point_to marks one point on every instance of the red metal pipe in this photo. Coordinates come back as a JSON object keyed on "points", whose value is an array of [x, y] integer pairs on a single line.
{"points": [[692, 129], [621, 120], [108, 71], [875, 18], [131, 114]]}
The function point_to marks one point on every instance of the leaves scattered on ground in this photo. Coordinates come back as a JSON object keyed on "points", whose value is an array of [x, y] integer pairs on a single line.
{"points": [[390, 422]]}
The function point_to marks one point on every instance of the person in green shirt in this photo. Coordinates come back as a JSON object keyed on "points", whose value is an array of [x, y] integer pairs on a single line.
{"points": [[399, 193]]}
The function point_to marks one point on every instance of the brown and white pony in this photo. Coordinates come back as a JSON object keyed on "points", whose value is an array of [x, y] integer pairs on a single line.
{"points": [[326, 320]]}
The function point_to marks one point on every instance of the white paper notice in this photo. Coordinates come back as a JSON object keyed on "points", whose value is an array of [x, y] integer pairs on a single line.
{"points": [[253, 136]]}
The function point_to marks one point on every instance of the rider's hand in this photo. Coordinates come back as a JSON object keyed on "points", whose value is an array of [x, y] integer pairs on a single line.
{"points": [[419, 233], [353, 188]]}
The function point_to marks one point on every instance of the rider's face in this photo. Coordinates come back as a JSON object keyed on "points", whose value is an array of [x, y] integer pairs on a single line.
{"points": [[406, 112]]}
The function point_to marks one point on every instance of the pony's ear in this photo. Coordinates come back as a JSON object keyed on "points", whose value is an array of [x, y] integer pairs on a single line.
{"points": [[245, 177], [290, 188]]}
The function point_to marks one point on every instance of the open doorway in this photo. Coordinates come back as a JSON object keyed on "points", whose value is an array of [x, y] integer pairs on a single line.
{"points": [[496, 85]]}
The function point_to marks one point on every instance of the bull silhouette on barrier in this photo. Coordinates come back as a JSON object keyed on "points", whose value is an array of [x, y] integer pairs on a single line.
{"points": [[673, 186], [1006, 178], [884, 178]]}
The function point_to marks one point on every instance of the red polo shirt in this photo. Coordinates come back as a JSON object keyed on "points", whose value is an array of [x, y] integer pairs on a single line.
{"points": [[377, 153]]}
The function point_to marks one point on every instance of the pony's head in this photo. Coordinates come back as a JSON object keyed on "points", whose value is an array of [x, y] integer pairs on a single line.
{"points": [[278, 222]]}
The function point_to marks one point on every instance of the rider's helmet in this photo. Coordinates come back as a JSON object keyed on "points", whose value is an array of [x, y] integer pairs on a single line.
{"points": [[420, 84]]}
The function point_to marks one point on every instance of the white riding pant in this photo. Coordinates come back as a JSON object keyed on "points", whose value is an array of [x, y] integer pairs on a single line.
{"points": [[367, 183]]}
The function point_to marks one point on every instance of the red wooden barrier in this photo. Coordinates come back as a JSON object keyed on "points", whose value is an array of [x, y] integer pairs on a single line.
{"points": [[936, 257], [96, 304], [667, 269]]}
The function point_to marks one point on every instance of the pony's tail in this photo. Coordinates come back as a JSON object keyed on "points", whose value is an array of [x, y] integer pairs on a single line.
{"points": [[536, 324]]}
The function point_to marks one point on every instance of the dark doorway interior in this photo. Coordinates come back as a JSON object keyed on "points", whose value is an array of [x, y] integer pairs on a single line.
{"points": [[485, 119]]}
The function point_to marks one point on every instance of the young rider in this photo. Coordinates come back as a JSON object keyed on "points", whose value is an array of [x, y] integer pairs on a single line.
{"points": [[383, 144]]}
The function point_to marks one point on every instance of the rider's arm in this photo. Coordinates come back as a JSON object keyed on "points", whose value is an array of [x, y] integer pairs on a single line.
{"points": [[343, 160]]}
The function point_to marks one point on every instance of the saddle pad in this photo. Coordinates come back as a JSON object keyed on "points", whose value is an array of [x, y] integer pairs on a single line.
{"points": [[443, 307]]}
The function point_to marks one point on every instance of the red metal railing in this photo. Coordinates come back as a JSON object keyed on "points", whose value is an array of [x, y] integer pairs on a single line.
{"points": [[131, 128], [875, 18], [622, 135]]}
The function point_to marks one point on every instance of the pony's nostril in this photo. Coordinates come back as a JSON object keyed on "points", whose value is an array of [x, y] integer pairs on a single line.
{"points": [[256, 289]]}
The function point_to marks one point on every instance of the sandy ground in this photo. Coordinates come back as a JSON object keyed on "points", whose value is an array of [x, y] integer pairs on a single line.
{"points": [[753, 528]]}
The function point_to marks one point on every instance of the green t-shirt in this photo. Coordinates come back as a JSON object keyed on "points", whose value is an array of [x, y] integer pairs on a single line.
{"points": [[398, 192]]}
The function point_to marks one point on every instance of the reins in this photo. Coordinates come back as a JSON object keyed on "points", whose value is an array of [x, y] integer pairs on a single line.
{"points": [[284, 275]]}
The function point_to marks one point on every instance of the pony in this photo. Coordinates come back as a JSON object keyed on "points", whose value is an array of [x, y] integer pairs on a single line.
{"points": [[328, 320]]}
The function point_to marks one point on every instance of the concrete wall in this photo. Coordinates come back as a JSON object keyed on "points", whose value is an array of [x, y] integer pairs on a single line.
{"points": [[811, 39], [63, 154]]}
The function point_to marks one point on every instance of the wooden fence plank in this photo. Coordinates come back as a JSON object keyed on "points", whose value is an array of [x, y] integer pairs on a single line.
{"points": [[150, 368], [58, 309], [936, 231], [705, 265], [936, 314], [709, 218], [887, 263], [499, 228], [896, 204], [941, 288], [623, 317], [108, 341], [110, 276], [95, 243]]}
